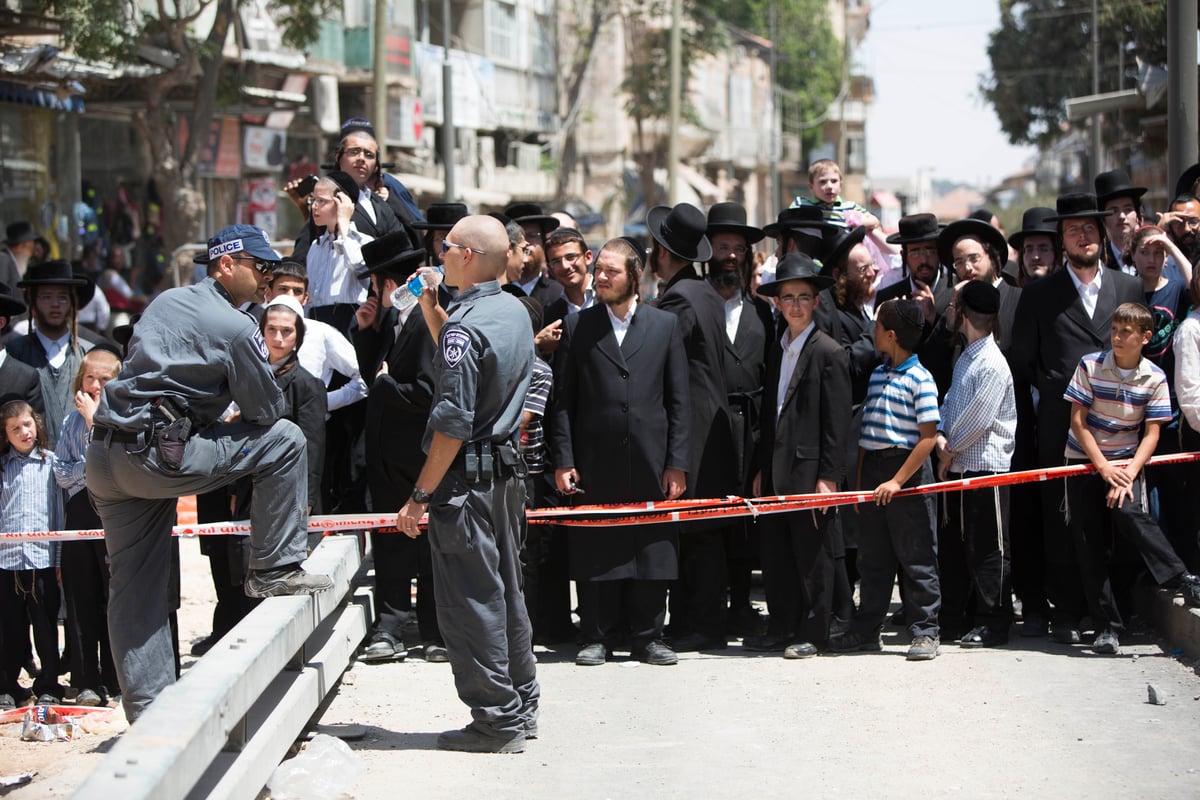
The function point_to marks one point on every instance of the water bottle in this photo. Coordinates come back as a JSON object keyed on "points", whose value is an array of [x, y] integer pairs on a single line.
{"points": [[407, 294]]}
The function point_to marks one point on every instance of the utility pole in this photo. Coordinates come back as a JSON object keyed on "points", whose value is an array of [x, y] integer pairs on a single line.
{"points": [[448, 134], [774, 152], [1181, 88], [1097, 156], [379, 79], [674, 102]]}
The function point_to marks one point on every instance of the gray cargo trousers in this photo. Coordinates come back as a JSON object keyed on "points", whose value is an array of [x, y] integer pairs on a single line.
{"points": [[135, 496]]}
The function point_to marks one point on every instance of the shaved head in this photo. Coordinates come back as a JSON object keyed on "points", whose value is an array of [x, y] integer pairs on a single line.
{"points": [[487, 241]]}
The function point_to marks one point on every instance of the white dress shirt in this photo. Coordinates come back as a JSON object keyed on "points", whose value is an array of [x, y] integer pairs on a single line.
{"points": [[621, 326], [325, 350], [1089, 293], [791, 354], [56, 349], [733, 316]]}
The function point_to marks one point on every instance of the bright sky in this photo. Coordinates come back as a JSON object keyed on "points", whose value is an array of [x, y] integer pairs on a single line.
{"points": [[926, 57]]}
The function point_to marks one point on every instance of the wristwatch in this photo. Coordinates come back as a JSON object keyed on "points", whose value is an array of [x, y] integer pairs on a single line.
{"points": [[420, 496]]}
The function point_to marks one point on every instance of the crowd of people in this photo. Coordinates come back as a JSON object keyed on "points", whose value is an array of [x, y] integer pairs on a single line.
{"points": [[472, 366]]}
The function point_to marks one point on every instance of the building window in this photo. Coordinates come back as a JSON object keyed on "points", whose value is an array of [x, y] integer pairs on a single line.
{"points": [[502, 31], [856, 153]]}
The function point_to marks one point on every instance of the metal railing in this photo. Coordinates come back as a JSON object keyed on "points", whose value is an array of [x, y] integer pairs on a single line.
{"points": [[221, 730]]}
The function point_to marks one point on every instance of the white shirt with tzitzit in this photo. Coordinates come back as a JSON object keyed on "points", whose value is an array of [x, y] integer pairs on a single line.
{"points": [[979, 415], [333, 265]]}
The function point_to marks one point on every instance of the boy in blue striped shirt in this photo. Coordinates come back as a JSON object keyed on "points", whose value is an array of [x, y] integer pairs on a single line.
{"points": [[1114, 394], [899, 430]]}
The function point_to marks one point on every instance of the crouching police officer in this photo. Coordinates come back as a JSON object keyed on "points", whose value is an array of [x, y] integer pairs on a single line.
{"points": [[158, 435], [472, 484]]}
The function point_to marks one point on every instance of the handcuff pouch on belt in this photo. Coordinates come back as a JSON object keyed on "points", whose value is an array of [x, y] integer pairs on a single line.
{"points": [[483, 461], [172, 428]]}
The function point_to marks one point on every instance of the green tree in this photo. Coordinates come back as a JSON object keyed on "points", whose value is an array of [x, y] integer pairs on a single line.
{"points": [[1041, 55], [114, 30]]}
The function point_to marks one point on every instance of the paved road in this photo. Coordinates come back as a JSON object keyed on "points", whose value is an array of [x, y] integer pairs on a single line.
{"points": [[1037, 720]]}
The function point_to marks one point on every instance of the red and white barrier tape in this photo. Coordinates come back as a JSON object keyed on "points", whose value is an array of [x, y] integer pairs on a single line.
{"points": [[649, 513]]}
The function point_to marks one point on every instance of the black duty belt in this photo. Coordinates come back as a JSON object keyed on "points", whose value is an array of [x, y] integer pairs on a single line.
{"points": [[107, 434]]}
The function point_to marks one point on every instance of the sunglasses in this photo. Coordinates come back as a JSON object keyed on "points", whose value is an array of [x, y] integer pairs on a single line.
{"points": [[263, 267], [447, 244]]}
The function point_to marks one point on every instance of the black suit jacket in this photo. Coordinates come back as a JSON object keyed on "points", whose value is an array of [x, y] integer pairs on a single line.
{"points": [[806, 440], [385, 223], [936, 349], [856, 335], [1051, 332], [19, 381], [621, 419], [745, 370], [701, 314]]}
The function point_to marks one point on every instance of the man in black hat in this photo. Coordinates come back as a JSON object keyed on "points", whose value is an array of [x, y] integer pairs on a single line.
{"points": [[1059, 320], [1039, 251], [977, 251], [925, 281], [1116, 193], [18, 380], [698, 608], [20, 238], [53, 346], [439, 219], [749, 328], [396, 353], [803, 229], [534, 281], [806, 419]]}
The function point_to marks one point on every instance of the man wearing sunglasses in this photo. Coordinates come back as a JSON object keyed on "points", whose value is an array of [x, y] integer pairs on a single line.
{"points": [[158, 435]]}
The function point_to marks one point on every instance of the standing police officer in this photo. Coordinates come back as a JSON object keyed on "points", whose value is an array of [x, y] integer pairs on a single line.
{"points": [[473, 478], [158, 435]]}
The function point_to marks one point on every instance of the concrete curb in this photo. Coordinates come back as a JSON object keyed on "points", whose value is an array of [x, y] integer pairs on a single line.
{"points": [[1171, 617]]}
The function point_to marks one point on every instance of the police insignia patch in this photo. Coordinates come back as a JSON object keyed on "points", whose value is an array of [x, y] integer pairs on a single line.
{"points": [[260, 344], [454, 346]]}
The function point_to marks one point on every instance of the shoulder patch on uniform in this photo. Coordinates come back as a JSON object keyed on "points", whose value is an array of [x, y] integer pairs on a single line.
{"points": [[260, 343], [454, 346]]}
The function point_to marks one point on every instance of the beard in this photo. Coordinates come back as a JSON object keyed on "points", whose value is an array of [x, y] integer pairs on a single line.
{"points": [[1085, 260], [855, 291], [725, 279]]}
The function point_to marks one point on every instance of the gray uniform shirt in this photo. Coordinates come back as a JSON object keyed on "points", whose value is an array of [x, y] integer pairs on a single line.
{"points": [[192, 343], [483, 367]]}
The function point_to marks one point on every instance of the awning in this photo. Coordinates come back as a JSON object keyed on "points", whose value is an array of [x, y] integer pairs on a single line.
{"points": [[884, 200], [41, 98]]}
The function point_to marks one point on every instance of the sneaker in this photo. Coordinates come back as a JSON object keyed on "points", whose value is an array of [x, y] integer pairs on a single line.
{"points": [[850, 642], [284, 581], [471, 740], [1106, 643], [87, 697], [1189, 585], [800, 650], [384, 647], [923, 648]]}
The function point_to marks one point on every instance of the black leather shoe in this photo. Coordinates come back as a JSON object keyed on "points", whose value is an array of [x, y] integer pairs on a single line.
{"points": [[591, 655], [983, 636], [851, 642], [1065, 633], [1034, 625], [767, 644], [204, 645], [800, 650], [690, 642], [656, 654], [1189, 585], [471, 740]]}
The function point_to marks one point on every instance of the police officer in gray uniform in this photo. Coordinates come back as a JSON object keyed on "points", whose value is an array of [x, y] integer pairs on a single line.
{"points": [[158, 435], [472, 485]]}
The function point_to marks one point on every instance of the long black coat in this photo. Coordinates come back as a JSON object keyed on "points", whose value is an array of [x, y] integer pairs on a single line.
{"points": [[745, 370], [806, 440], [398, 403], [621, 419], [856, 335], [1051, 332], [19, 381], [701, 314]]}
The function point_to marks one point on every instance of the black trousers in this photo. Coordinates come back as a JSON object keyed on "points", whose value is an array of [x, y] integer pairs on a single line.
{"points": [[973, 557], [544, 568], [85, 591], [698, 596], [29, 598], [225, 562], [1094, 525], [641, 605], [899, 535], [798, 573], [399, 559]]}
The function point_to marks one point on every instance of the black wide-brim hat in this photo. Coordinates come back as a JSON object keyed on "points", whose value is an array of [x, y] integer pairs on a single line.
{"points": [[393, 254], [1034, 223], [58, 273], [731, 218], [680, 230], [976, 229], [796, 266], [1187, 180], [10, 306], [916, 228], [531, 214], [1076, 205], [837, 245], [805, 219], [442, 216], [18, 232], [1116, 183]]}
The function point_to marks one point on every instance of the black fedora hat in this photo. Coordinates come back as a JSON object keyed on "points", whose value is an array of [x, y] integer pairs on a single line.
{"points": [[1187, 181], [442, 216], [731, 218], [1034, 223], [531, 214], [1075, 205], [975, 229], [836, 246], [808, 219], [796, 266], [18, 232], [1116, 183], [51, 273], [10, 306], [393, 254], [680, 230], [916, 228]]}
